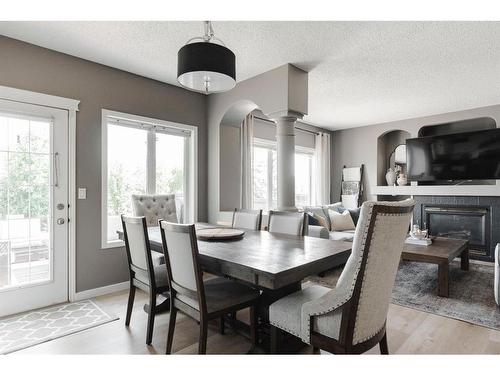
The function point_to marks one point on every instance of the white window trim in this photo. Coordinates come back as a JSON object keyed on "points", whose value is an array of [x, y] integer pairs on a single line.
{"points": [[190, 178], [271, 145]]}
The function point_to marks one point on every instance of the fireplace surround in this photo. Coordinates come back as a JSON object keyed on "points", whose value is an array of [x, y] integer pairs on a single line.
{"points": [[474, 218]]}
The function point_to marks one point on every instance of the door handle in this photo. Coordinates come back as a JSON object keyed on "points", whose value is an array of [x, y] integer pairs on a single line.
{"points": [[60, 221], [56, 169]]}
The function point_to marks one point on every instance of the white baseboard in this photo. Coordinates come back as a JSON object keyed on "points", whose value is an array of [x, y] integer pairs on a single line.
{"points": [[91, 293]]}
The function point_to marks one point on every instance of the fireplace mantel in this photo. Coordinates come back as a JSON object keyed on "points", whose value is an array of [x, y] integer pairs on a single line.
{"points": [[445, 190]]}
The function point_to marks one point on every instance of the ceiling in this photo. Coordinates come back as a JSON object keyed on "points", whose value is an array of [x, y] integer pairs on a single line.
{"points": [[360, 73]]}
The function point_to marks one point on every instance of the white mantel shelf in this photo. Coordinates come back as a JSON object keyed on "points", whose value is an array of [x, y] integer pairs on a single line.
{"points": [[458, 190]]}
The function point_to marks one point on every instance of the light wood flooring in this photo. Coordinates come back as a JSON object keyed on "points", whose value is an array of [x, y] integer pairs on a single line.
{"points": [[409, 332]]}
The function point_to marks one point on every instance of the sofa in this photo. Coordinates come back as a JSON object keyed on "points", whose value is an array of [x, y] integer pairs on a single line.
{"points": [[325, 231]]}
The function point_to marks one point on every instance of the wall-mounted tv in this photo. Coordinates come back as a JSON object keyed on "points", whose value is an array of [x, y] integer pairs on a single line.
{"points": [[462, 156]]}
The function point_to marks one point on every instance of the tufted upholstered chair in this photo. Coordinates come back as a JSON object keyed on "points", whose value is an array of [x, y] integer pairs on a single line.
{"points": [[200, 300], [155, 207], [351, 318], [293, 223], [143, 273], [247, 219]]}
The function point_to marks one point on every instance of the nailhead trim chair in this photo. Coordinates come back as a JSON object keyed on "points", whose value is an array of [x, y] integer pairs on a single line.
{"points": [[143, 273], [352, 317], [202, 301]]}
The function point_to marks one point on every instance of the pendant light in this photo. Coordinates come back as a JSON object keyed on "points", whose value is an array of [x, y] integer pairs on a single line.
{"points": [[206, 66]]}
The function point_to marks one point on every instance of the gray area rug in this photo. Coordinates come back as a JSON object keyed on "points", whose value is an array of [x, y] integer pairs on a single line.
{"points": [[471, 292], [35, 327]]}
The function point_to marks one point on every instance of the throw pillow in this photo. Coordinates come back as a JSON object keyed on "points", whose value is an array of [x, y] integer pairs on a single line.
{"points": [[312, 219], [322, 221], [354, 213], [341, 221]]}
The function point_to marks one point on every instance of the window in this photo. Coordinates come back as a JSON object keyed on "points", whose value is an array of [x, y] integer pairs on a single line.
{"points": [[145, 156], [265, 177]]}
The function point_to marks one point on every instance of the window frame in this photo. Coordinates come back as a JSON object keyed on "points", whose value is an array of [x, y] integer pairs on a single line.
{"points": [[272, 146], [155, 125]]}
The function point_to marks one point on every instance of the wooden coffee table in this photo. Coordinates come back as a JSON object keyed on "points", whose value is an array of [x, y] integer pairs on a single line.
{"points": [[441, 252]]}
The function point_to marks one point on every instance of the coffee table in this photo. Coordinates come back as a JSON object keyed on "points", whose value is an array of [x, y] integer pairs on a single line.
{"points": [[441, 252]]}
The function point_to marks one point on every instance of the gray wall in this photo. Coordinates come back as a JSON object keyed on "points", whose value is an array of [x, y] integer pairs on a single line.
{"points": [[28, 67], [357, 146], [230, 167]]}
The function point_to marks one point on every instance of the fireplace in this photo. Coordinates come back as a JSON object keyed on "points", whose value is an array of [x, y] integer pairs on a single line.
{"points": [[470, 223]]}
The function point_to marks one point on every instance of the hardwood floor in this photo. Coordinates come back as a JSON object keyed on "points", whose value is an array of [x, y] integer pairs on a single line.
{"points": [[409, 332]]}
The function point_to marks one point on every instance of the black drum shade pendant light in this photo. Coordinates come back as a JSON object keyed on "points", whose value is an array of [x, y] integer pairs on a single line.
{"points": [[206, 66]]}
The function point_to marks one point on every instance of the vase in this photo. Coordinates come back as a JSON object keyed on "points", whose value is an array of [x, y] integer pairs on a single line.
{"points": [[390, 177], [402, 180]]}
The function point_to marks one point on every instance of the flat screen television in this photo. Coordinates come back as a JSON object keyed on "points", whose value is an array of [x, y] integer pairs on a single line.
{"points": [[462, 156]]}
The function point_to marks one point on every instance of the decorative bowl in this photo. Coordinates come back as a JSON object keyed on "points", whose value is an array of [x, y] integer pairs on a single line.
{"points": [[418, 235]]}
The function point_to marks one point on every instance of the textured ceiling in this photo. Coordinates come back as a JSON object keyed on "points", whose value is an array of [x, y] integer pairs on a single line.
{"points": [[360, 73]]}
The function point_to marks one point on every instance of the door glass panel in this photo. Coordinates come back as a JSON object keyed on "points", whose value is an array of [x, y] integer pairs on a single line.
{"points": [[25, 201], [170, 169]]}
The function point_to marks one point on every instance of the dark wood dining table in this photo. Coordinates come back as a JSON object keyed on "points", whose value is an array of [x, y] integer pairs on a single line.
{"points": [[274, 263]]}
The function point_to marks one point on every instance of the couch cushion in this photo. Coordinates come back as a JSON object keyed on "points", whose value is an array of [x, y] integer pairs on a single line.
{"points": [[341, 221], [347, 235]]}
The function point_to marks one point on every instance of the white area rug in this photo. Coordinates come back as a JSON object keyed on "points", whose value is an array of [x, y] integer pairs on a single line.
{"points": [[34, 327]]}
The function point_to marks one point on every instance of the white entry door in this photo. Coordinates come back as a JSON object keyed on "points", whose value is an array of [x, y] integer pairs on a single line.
{"points": [[33, 206]]}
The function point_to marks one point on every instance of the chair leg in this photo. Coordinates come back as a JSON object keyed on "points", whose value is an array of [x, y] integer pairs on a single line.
{"points": [[275, 338], [130, 305], [254, 329], [151, 317], [221, 324], [202, 345], [384, 349], [171, 328]]}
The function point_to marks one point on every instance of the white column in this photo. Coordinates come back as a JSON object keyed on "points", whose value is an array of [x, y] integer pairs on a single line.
{"points": [[285, 139]]}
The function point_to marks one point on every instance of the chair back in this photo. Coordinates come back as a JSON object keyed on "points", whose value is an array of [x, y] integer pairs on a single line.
{"points": [[371, 269], [181, 257], [247, 219], [294, 223], [139, 258], [155, 207]]}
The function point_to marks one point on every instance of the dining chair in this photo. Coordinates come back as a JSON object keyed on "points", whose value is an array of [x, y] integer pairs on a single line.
{"points": [[294, 223], [247, 219], [351, 318], [143, 273], [154, 208], [200, 300]]}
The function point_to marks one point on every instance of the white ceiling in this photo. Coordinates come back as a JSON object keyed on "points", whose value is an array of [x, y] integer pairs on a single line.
{"points": [[360, 73]]}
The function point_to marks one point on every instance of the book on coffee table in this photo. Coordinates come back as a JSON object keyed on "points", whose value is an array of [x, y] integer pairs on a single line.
{"points": [[422, 242]]}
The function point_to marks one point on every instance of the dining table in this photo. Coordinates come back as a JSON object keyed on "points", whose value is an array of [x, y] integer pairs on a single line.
{"points": [[275, 263]]}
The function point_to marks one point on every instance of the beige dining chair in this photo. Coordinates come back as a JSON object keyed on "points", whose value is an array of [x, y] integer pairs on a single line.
{"points": [[143, 273], [154, 208], [247, 219], [352, 317], [200, 300], [283, 222]]}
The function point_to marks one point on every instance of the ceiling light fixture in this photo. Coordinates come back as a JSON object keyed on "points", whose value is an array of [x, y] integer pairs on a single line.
{"points": [[206, 66]]}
